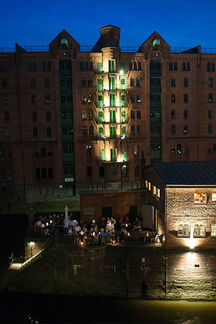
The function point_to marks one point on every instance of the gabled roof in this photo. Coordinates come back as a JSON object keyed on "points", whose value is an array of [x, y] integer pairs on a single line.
{"points": [[63, 34], [154, 35], [187, 173]]}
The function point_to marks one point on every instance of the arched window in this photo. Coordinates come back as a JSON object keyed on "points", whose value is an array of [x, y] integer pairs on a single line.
{"points": [[132, 82], [32, 83], [138, 82], [83, 82], [139, 66], [132, 130], [64, 43], [35, 131], [49, 132], [130, 65], [156, 42], [188, 66], [135, 65], [34, 116], [48, 116], [101, 171]]}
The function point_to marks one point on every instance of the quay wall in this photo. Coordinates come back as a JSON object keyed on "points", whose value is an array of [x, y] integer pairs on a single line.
{"points": [[127, 272]]}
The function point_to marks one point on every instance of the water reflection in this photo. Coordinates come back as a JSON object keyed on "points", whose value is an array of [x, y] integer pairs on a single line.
{"points": [[66, 309]]}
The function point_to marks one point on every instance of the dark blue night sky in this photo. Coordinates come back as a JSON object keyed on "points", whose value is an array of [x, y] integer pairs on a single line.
{"points": [[185, 23]]}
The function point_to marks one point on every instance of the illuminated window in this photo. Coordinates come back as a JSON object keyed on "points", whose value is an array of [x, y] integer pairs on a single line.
{"points": [[158, 193], [99, 84], [112, 116], [100, 101], [84, 115], [200, 198], [156, 42], [199, 230], [113, 153], [213, 196], [111, 66], [123, 132], [64, 43], [124, 154], [149, 186], [124, 171], [183, 230], [185, 129], [101, 154], [99, 67], [154, 190], [213, 230], [146, 184], [100, 116], [112, 100], [123, 100], [123, 116], [123, 84], [112, 83], [100, 131]]}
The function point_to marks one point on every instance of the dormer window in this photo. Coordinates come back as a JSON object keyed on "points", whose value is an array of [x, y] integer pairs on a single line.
{"points": [[156, 42], [64, 43]]}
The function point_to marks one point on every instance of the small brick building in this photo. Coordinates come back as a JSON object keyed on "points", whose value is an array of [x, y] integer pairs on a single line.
{"points": [[184, 193]]}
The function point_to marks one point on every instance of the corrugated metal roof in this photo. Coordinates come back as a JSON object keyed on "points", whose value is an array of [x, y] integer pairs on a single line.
{"points": [[187, 173]]}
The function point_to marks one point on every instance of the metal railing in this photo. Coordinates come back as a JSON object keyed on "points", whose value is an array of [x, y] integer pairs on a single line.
{"points": [[88, 48]]}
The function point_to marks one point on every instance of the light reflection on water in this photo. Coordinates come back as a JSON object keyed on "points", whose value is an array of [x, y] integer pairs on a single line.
{"points": [[67, 309]]}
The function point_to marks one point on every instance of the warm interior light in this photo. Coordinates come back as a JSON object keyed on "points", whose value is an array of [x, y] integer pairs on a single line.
{"points": [[121, 72]]}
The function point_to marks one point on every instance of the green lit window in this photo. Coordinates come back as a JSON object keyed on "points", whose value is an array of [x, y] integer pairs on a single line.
{"points": [[99, 84], [100, 101], [123, 131], [123, 116], [123, 84], [112, 116], [100, 116], [112, 132], [100, 131], [111, 66], [113, 153], [123, 100], [112, 100], [124, 154], [112, 83], [101, 154], [99, 67]]}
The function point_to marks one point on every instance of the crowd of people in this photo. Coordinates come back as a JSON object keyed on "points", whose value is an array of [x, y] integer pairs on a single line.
{"points": [[108, 230]]}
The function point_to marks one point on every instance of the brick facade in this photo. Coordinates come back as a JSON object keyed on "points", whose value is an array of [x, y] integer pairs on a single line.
{"points": [[50, 141]]}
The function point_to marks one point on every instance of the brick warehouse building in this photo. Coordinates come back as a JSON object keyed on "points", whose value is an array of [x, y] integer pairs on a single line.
{"points": [[77, 121]]}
